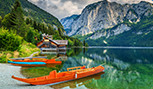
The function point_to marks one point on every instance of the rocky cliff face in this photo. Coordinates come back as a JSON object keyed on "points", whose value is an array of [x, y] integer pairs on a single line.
{"points": [[110, 32], [104, 14], [68, 21]]}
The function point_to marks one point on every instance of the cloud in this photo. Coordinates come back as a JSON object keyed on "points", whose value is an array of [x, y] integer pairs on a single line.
{"points": [[129, 1], [64, 8]]}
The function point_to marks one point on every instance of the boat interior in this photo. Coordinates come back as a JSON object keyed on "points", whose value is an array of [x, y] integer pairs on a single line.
{"points": [[53, 75]]}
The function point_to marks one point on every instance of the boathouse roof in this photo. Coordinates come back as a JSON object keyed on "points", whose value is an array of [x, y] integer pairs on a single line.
{"points": [[61, 42]]}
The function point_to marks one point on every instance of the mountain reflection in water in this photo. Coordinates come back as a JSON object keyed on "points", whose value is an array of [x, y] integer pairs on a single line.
{"points": [[124, 68]]}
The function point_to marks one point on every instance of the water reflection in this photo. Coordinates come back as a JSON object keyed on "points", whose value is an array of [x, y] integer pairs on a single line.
{"points": [[78, 83], [31, 72], [124, 68]]}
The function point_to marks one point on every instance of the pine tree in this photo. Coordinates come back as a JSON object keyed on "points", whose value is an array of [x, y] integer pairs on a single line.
{"points": [[6, 22], [51, 29], [27, 21], [30, 36], [0, 21], [60, 32], [15, 19], [35, 25]]}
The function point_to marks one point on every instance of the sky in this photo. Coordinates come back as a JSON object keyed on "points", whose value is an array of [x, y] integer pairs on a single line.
{"points": [[65, 8]]}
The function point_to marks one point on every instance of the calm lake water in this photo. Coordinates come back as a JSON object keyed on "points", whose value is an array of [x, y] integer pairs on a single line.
{"points": [[124, 68]]}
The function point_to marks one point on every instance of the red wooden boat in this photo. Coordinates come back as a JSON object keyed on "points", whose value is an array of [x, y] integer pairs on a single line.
{"points": [[28, 62], [55, 78], [27, 65], [37, 65], [38, 60], [32, 60]]}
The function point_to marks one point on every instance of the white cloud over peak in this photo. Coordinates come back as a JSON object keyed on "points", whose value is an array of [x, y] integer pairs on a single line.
{"points": [[64, 8]]}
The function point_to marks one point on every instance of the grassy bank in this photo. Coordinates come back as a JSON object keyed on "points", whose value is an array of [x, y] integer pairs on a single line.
{"points": [[26, 49]]}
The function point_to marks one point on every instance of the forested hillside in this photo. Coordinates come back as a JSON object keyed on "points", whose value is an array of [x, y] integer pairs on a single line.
{"points": [[30, 30], [31, 11], [19, 33]]}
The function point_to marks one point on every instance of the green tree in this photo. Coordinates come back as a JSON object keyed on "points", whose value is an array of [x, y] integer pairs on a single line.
{"points": [[70, 43], [18, 18], [6, 22], [15, 19], [30, 36], [51, 29], [0, 21], [27, 21], [35, 25], [60, 32], [9, 40], [40, 36]]}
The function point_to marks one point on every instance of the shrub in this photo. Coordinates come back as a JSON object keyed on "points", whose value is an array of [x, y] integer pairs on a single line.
{"points": [[9, 40]]}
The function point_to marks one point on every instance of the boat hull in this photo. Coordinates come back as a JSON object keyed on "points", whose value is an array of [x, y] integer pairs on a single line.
{"points": [[27, 65], [76, 78], [34, 62], [45, 80]]}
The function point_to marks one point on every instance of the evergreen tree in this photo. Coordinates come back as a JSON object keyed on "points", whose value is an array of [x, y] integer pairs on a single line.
{"points": [[27, 21], [51, 29], [30, 36], [0, 21], [35, 25], [60, 31], [6, 22], [15, 19], [40, 37]]}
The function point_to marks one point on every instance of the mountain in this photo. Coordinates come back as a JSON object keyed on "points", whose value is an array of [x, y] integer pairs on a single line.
{"points": [[136, 34], [104, 15], [68, 21], [31, 11], [111, 24]]}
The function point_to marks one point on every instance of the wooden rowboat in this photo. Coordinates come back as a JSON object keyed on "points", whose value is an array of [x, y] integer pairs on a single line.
{"points": [[69, 75], [34, 62], [37, 65]]}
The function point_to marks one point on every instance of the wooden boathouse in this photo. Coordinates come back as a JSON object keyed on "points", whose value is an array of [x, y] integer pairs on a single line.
{"points": [[48, 44]]}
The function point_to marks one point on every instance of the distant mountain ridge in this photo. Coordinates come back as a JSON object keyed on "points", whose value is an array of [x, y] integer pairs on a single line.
{"points": [[68, 21], [30, 10], [111, 24], [104, 15], [125, 34]]}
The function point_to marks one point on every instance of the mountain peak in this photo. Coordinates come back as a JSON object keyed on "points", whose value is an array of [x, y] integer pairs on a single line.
{"points": [[102, 15], [144, 2]]}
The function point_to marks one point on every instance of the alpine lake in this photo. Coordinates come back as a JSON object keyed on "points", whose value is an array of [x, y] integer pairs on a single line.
{"points": [[125, 68]]}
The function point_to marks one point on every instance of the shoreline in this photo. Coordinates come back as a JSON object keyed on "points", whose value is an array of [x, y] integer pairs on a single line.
{"points": [[6, 82], [117, 47]]}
